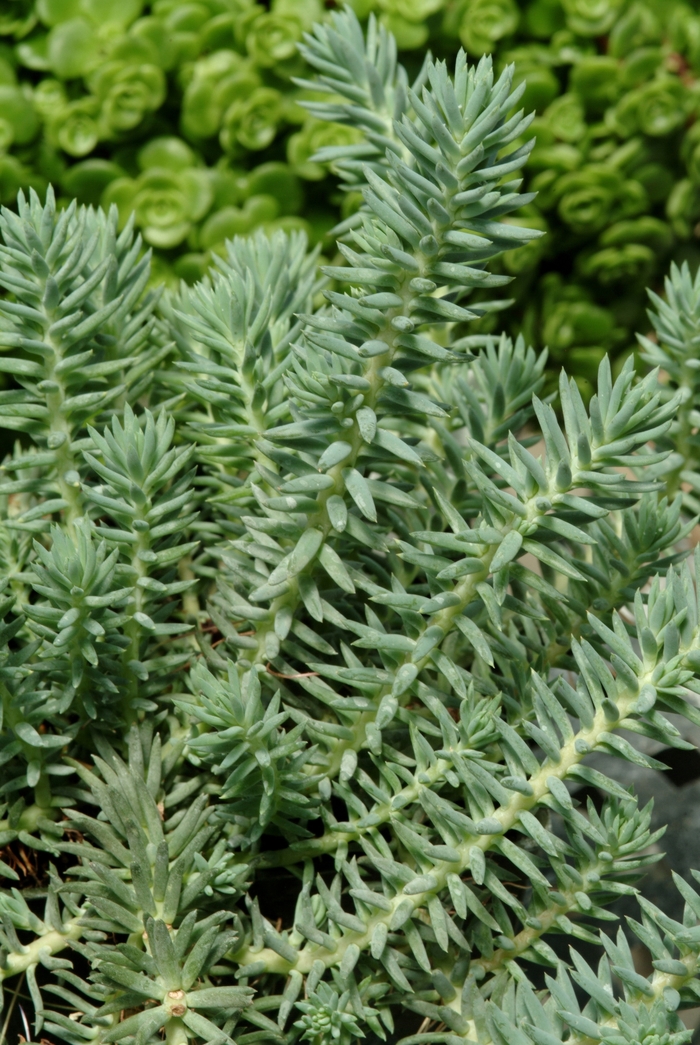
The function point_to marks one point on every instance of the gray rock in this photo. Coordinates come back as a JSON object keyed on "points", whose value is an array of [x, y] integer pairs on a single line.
{"points": [[676, 807]]}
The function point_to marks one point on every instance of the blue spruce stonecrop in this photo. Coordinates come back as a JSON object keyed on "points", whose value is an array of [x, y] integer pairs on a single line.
{"points": [[300, 588]]}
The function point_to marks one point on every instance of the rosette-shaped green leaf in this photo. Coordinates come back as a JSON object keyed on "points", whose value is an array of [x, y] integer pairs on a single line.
{"points": [[277, 180], [596, 80], [639, 26], [658, 108], [642, 65], [482, 25], [314, 137], [48, 96], [595, 196], [271, 40], [216, 81], [632, 262], [684, 33], [80, 34], [406, 19], [627, 252], [167, 198], [74, 126], [126, 93], [565, 119], [305, 11], [591, 17], [165, 205], [251, 121]]}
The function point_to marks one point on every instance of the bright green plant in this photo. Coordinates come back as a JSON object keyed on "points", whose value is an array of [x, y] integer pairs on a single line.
{"points": [[98, 96], [305, 642]]}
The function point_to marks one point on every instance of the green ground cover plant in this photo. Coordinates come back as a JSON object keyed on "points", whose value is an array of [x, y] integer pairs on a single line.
{"points": [[313, 610], [190, 115]]}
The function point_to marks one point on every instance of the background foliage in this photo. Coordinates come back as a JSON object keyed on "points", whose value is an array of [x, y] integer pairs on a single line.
{"points": [[188, 114]]}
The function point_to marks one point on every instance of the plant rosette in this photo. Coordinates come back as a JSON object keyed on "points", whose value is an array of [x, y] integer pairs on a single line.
{"points": [[482, 25], [591, 198], [406, 20], [168, 198], [271, 41], [215, 82], [74, 127], [658, 108], [251, 121], [314, 136], [126, 95], [626, 252], [591, 18]]}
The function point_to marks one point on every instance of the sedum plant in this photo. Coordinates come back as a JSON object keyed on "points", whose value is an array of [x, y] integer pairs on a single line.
{"points": [[313, 611]]}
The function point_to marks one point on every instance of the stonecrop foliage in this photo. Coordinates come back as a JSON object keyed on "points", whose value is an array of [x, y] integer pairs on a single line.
{"points": [[313, 611]]}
